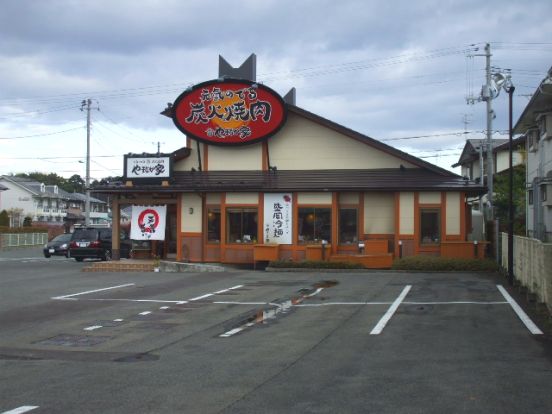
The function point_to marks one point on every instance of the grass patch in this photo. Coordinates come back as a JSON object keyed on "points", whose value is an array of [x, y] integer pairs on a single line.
{"points": [[313, 264], [433, 263]]}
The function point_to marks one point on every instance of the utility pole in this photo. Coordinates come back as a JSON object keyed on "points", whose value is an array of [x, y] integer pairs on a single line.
{"points": [[86, 105], [487, 96]]}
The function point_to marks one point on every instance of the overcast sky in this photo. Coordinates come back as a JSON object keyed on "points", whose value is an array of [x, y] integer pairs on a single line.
{"points": [[388, 69]]}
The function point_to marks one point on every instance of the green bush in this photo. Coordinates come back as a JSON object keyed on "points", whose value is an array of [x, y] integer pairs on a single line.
{"points": [[313, 264], [6, 229], [4, 219], [432, 263]]}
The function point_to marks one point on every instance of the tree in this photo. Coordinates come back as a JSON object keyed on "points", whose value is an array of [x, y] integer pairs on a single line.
{"points": [[4, 218], [27, 222], [501, 199], [75, 184]]}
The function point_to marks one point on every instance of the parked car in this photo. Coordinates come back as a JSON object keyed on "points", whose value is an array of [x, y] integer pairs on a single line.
{"points": [[58, 246], [96, 243]]}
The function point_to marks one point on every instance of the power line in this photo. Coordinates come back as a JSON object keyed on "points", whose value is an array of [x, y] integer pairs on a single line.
{"points": [[43, 135]]}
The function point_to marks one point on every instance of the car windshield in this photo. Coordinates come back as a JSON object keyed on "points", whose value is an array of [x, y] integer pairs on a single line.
{"points": [[85, 234], [62, 237]]}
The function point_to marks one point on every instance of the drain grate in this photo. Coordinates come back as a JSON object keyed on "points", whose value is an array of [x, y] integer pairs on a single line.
{"points": [[74, 340]]}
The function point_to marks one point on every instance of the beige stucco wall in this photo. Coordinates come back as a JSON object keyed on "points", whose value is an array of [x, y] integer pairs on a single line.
{"points": [[430, 198], [348, 198], [191, 222], [247, 157], [453, 214], [406, 214], [213, 198], [304, 145], [314, 198], [242, 198], [379, 213], [191, 161]]}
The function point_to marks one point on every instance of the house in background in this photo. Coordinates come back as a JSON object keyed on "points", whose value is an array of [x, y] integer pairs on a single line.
{"points": [[47, 204], [473, 161], [536, 124]]}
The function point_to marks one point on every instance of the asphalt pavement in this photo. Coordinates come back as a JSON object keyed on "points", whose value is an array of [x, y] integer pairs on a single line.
{"points": [[262, 342]]}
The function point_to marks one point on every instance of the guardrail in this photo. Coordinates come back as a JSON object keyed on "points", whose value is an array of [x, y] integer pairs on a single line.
{"points": [[8, 240]]}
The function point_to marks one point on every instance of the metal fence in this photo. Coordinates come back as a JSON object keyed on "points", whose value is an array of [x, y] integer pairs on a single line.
{"points": [[8, 240]]}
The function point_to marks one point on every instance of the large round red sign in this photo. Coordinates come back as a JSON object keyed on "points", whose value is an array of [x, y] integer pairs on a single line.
{"points": [[148, 220], [229, 112]]}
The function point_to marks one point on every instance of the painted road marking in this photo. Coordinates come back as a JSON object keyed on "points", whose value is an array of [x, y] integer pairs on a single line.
{"points": [[164, 307], [390, 312], [21, 410], [144, 313], [520, 313], [118, 320], [202, 297], [93, 327], [92, 291]]}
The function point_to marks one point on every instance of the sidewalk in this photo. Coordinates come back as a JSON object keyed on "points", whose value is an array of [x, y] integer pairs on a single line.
{"points": [[22, 252]]}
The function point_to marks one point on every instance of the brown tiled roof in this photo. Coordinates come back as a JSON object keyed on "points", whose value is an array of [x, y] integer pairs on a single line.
{"points": [[387, 179]]}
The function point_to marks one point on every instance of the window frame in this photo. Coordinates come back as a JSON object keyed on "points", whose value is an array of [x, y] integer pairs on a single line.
{"points": [[314, 239], [436, 210], [339, 226], [216, 209], [241, 209]]}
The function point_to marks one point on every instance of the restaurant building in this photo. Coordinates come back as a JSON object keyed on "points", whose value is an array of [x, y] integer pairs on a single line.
{"points": [[263, 179]]}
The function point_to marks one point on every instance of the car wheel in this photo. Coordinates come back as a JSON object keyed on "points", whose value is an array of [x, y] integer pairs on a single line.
{"points": [[78, 259], [46, 255], [107, 255]]}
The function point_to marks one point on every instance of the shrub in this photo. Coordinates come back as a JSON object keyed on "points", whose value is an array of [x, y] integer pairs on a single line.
{"points": [[432, 263], [6, 229], [4, 219], [314, 264], [27, 222]]}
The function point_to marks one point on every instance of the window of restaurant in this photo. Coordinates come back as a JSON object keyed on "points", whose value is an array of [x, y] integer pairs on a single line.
{"points": [[213, 225], [348, 225], [315, 224], [241, 225], [430, 226]]}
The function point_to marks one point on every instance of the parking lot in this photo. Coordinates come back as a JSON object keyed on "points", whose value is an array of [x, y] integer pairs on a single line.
{"points": [[250, 342]]}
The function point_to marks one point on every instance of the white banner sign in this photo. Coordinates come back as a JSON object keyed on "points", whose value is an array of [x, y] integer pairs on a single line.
{"points": [[277, 218], [152, 167], [148, 222]]}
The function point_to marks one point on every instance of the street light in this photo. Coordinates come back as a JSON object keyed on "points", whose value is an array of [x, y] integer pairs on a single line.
{"points": [[504, 81]]}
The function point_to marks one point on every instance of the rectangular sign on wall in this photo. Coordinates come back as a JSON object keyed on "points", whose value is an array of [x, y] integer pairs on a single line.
{"points": [[148, 222], [278, 218], [148, 167]]}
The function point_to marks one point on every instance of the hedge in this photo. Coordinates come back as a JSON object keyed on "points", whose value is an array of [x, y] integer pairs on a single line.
{"points": [[14, 230]]}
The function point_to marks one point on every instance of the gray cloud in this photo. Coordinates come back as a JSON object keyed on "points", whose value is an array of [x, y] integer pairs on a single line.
{"points": [[384, 68]]}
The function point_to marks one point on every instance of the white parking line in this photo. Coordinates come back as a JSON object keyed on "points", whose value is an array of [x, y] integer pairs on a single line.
{"points": [[92, 291], [520, 313], [93, 327], [21, 410], [202, 297], [390, 312], [144, 313]]}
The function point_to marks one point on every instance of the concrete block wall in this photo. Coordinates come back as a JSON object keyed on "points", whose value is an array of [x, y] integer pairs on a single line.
{"points": [[532, 266]]}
